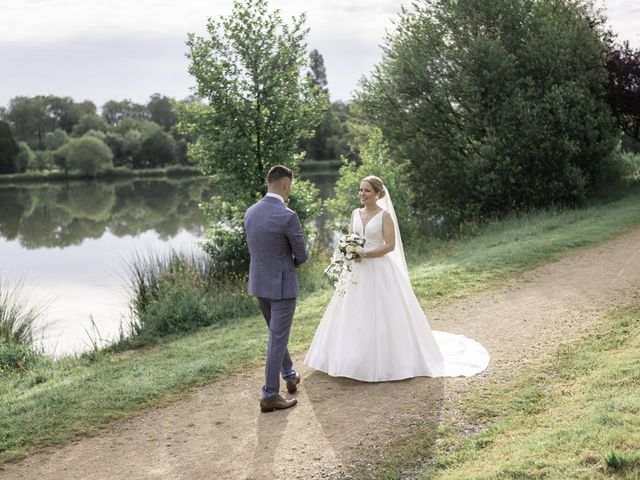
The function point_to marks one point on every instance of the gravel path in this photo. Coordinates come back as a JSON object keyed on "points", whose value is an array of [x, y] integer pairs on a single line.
{"points": [[219, 432]]}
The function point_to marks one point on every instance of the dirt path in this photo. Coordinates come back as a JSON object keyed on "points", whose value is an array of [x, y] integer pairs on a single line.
{"points": [[218, 431]]}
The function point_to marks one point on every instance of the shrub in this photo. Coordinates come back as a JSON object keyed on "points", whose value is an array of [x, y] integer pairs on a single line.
{"points": [[87, 155], [631, 164], [56, 139], [375, 160], [90, 122], [499, 106], [42, 160], [9, 149], [157, 149], [24, 158], [15, 356], [16, 327], [177, 293]]}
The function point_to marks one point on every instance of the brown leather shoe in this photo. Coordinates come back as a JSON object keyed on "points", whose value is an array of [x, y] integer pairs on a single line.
{"points": [[276, 403], [292, 385]]}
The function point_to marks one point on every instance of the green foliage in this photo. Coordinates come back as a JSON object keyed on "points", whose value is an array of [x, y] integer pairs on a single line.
{"points": [[42, 160], [161, 110], [249, 69], [90, 122], [33, 117], [56, 139], [498, 105], [60, 214], [114, 111], [623, 461], [329, 139], [16, 316], [121, 155], [156, 150], [375, 160], [623, 94], [16, 328], [87, 155], [180, 293], [631, 164], [9, 149], [131, 123], [15, 356], [24, 158]]}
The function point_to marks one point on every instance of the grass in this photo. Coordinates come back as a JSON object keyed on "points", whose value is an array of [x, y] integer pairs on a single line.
{"points": [[16, 316], [492, 253], [577, 416], [177, 293], [55, 401], [16, 327]]}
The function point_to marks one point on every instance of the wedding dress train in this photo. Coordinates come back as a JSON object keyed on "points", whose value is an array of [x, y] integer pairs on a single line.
{"points": [[377, 331]]}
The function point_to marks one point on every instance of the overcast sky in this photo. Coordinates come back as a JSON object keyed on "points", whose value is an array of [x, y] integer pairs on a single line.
{"points": [[101, 50]]}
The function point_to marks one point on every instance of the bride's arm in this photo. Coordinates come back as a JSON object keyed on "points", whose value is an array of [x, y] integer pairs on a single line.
{"points": [[389, 233], [351, 224]]}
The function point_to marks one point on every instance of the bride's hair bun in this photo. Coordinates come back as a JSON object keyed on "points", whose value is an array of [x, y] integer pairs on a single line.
{"points": [[376, 183]]}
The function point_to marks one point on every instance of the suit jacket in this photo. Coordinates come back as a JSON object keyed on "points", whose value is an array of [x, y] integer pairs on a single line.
{"points": [[276, 247]]}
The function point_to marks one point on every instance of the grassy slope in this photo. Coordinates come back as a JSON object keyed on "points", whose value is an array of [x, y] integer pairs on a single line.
{"points": [[577, 416], [59, 400]]}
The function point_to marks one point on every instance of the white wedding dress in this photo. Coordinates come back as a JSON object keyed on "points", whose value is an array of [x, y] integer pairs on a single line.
{"points": [[376, 331]]}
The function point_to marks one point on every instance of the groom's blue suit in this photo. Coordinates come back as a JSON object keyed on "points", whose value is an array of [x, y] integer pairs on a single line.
{"points": [[276, 247]]}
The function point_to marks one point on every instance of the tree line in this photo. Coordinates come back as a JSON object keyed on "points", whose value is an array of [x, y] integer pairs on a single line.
{"points": [[53, 132], [46, 132], [477, 109]]}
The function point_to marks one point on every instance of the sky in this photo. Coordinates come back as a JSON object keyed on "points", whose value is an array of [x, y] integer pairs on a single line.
{"points": [[102, 50]]}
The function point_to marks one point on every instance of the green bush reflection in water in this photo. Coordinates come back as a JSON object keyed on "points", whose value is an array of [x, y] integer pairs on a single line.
{"points": [[64, 214]]}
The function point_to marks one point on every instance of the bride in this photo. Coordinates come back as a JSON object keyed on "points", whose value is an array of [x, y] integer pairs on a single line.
{"points": [[376, 330]]}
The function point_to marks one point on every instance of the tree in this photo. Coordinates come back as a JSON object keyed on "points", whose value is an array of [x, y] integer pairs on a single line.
{"points": [[325, 142], [66, 113], [623, 89], [90, 122], [30, 120], [328, 141], [8, 149], [374, 160], [25, 157], [33, 117], [162, 112], [114, 111], [56, 139], [258, 104], [498, 105], [317, 71], [157, 150], [87, 155]]}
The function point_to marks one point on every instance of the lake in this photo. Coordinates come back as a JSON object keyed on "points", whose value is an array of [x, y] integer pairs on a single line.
{"points": [[71, 244]]}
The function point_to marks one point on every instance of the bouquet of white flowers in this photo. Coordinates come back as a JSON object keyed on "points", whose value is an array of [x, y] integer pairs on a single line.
{"points": [[344, 258]]}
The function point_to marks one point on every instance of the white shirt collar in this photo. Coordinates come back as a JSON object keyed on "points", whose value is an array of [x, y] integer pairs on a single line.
{"points": [[275, 195]]}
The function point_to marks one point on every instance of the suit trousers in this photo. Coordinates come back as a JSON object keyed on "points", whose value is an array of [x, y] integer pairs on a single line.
{"points": [[279, 317]]}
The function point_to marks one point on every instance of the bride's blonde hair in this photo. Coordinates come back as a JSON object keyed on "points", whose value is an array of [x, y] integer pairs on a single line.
{"points": [[376, 183]]}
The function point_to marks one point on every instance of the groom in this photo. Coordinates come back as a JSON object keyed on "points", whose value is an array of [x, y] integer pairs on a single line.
{"points": [[276, 247]]}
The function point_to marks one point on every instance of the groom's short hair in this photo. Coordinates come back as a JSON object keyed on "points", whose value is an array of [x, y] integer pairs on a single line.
{"points": [[278, 172]]}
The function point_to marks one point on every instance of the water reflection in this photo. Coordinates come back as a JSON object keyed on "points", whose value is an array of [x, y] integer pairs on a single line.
{"points": [[65, 214], [72, 242]]}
